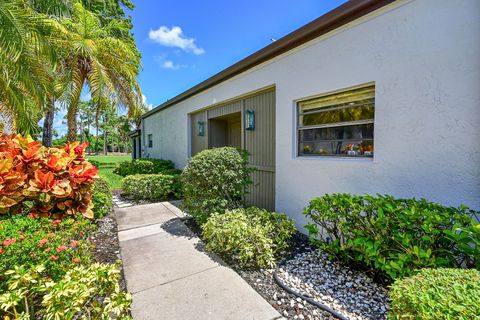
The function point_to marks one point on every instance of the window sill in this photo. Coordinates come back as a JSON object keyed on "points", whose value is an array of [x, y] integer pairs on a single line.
{"points": [[335, 158]]}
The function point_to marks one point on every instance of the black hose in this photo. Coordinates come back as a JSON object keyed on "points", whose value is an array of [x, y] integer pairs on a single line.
{"points": [[309, 300]]}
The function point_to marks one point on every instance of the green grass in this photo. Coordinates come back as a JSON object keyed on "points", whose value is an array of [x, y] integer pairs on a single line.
{"points": [[114, 180], [109, 159]]}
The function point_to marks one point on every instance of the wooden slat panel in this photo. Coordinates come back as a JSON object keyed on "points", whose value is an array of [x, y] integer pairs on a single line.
{"points": [[262, 192], [225, 109], [261, 141], [199, 143]]}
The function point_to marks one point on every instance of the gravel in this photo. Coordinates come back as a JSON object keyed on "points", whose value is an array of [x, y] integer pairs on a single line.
{"points": [[308, 271], [347, 291]]}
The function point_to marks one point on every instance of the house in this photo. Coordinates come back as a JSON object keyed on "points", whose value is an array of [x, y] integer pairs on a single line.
{"points": [[376, 96]]}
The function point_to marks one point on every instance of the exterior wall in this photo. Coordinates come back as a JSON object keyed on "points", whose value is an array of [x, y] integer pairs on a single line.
{"points": [[424, 59]]}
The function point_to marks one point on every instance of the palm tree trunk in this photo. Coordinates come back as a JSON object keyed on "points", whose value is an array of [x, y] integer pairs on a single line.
{"points": [[97, 116], [72, 122], [48, 125], [105, 136]]}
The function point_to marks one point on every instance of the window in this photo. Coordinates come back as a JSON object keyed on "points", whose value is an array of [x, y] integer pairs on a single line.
{"points": [[150, 141], [339, 124]]}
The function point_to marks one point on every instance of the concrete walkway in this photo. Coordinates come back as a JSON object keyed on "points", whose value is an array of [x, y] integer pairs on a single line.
{"points": [[171, 277]]}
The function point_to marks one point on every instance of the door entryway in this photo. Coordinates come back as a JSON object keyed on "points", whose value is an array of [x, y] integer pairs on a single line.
{"points": [[225, 125]]}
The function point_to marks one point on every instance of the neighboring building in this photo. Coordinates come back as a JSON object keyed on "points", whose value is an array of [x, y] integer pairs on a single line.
{"points": [[373, 97]]}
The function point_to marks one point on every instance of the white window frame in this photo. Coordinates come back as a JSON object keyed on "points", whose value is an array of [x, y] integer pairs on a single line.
{"points": [[298, 127]]}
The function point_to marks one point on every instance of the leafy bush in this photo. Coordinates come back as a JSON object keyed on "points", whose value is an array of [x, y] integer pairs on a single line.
{"points": [[437, 294], [394, 236], [144, 166], [56, 244], [102, 198], [153, 187], [94, 163], [93, 291], [249, 237], [215, 180], [47, 182], [101, 185]]}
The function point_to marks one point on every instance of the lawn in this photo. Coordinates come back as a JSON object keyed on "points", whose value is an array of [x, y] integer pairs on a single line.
{"points": [[109, 159], [106, 168]]}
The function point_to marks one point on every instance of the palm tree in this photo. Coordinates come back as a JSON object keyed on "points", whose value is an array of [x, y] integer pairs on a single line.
{"points": [[93, 57], [24, 71]]}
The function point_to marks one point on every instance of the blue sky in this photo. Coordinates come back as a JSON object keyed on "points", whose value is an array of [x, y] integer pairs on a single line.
{"points": [[184, 42]]}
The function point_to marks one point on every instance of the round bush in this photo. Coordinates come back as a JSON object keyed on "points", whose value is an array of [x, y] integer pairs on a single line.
{"points": [[152, 187], [215, 180], [437, 294], [249, 237]]}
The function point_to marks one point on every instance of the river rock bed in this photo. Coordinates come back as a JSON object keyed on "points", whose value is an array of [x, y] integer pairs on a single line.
{"points": [[346, 291]]}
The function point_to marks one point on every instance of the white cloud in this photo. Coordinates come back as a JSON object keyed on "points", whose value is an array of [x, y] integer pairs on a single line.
{"points": [[174, 38], [168, 64], [144, 100]]}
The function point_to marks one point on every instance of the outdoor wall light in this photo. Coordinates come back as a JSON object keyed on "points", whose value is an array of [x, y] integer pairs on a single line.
{"points": [[201, 128], [249, 120]]}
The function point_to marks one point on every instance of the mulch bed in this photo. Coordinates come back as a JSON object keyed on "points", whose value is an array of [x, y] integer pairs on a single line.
{"points": [[106, 245]]}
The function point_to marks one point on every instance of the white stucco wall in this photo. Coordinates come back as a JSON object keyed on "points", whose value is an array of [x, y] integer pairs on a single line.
{"points": [[424, 57]]}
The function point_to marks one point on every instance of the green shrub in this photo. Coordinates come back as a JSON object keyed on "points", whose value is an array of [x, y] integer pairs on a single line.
{"points": [[144, 166], [102, 198], [55, 244], [101, 185], [153, 187], [249, 237], [437, 294], [83, 293], [392, 236], [94, 162], [215, 180]]}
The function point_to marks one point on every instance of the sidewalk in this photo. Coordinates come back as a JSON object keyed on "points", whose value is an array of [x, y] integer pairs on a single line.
{"points": [[171, 277]]}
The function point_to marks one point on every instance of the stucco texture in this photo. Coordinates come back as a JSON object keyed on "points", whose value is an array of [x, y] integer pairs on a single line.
{"points": [[424, 58]]}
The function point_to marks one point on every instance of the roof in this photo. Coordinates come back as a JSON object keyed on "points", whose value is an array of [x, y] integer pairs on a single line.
{"points": [[332, 20]]}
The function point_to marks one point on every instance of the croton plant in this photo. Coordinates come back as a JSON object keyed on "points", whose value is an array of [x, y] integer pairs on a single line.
{"points": [[46, 182]]}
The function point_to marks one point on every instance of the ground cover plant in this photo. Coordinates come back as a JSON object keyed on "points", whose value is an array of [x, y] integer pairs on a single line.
{"points": [[437, 294], [56, 244], [394, 237], [152, 187], [249, 237], [46, 182], [28, 293], [215, 180]]}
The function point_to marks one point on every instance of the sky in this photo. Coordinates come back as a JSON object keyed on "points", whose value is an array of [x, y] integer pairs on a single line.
{"points": [[183, 42]]}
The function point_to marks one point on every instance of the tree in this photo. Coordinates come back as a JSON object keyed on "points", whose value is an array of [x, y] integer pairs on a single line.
{"points": [[96, 58], [26, 63]]}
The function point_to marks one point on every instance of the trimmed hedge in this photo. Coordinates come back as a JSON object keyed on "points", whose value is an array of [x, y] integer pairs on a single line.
{"points": [[102, 198], [437, 294], [394, 237], [215, 180], [249, 237], [152, 187], [145, 166]]}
